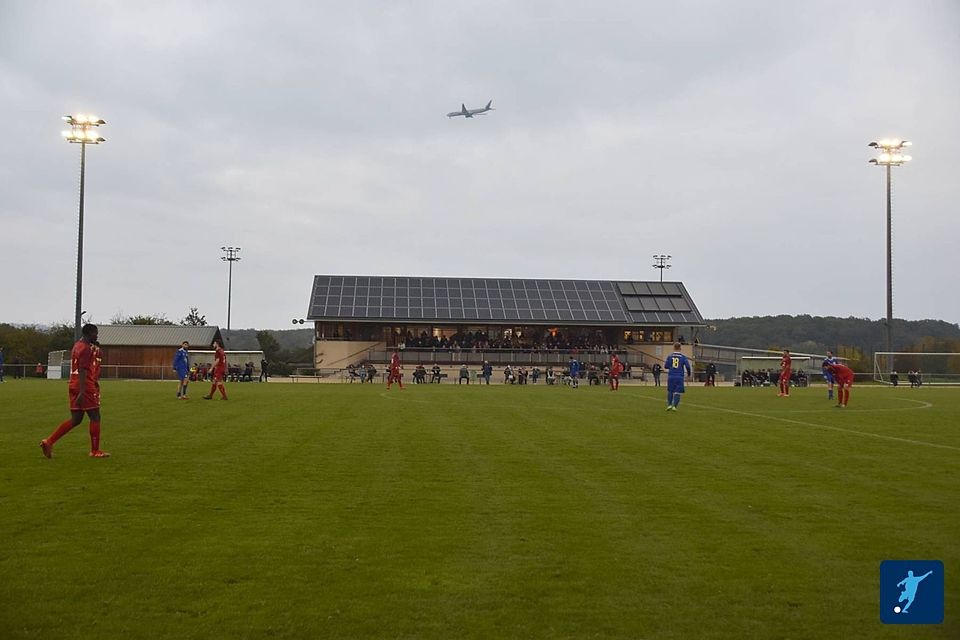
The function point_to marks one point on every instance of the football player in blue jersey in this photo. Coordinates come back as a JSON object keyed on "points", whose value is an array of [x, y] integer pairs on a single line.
{"points": [[678, 369], [827, 374]]}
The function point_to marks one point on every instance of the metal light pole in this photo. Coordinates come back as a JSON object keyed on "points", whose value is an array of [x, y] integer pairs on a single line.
{"points": [[83, 132], [661, 264], [231, 257], [890, 156]]}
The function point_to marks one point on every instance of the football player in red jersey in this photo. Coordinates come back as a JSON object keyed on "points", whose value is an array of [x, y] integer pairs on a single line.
{"points": [[842, 380], [219, 371], [786, 369], [84, 391], [616, 368], [394, 374]]}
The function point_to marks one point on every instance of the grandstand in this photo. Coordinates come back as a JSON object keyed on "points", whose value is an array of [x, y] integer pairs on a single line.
{"points": [[531, 322]]}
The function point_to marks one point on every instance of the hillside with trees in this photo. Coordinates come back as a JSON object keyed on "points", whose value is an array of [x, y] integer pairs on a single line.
{"points": [[816, 334]]}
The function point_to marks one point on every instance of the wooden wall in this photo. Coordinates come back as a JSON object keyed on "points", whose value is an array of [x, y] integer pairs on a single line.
{"points": [[150, 363]]}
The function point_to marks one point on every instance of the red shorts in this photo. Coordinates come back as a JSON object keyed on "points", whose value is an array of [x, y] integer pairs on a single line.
{"points": [[844, 382], [91, 400], [785, 374], [218, 375], [394, 376]]}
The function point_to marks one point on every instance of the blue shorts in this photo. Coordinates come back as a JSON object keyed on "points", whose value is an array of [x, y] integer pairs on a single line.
{"points": [[828, 377], [182, 374], [675, 385]]}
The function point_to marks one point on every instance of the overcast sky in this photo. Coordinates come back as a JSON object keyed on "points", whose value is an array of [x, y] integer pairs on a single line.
{"points": [[732, 135]]}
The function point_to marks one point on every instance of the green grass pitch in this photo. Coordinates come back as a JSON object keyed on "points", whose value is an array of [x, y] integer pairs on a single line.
{"points": [[346, 511]]}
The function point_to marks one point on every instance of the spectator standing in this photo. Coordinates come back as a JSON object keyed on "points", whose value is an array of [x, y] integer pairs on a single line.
{"points": [[464, 375], [487, 371], [711, 375], [264, 370], [657, 369]]}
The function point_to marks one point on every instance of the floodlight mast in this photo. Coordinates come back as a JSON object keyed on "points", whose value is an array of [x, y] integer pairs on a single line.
{"points": [[661, 263], [83, 131], [890, 156], [230, 258]]}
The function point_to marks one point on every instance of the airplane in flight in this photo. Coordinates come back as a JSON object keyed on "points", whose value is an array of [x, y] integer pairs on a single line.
{"points": [[469, 113]]}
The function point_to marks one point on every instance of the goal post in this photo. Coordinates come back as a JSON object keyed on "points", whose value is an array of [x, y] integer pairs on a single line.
{"points": [[916, 368]]}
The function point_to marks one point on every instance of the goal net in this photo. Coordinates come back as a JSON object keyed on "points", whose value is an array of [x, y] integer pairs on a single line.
{"points": [[916, 368], [760, 371]]}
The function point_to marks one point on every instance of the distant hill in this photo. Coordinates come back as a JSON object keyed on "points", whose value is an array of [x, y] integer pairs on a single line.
{"points": [[816, 334], [289, 339]]}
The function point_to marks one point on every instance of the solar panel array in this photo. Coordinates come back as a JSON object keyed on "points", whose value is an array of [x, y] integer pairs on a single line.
{"points": [[387, 298]]}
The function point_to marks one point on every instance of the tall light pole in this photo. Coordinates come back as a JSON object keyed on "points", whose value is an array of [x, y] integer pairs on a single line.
{"points": [[83, 131], [231, 257], [890, 156], [661, 263]]}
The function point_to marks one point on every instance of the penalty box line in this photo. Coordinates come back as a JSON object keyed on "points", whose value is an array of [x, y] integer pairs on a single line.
{"points": [[820, 426]]}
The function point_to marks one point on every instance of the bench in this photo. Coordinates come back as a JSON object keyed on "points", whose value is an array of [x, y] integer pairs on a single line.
{"points": [[298, 377]]}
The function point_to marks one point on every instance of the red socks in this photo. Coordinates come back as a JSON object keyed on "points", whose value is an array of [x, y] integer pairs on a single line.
{"points": [[61, 431], [94, 436]]}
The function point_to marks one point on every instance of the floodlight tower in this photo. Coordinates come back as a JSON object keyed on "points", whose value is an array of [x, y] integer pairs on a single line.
{"points": [[890, 156], [661, 263], [230, 258], [83, 131]]}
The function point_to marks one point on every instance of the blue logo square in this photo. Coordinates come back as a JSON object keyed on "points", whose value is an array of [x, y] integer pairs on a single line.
{"points": [[911, 592]]}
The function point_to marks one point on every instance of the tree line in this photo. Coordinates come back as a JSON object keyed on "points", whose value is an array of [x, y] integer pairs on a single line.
{"points": [[856, 339]]}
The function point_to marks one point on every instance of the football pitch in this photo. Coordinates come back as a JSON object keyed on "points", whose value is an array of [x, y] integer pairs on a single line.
{"points": [[346, 511]]}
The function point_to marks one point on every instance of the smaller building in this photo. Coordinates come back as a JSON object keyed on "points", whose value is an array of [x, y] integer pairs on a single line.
{"points": [[146, 351]]}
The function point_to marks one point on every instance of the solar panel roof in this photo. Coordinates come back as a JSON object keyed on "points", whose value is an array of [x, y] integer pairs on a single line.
{"points": [[495, 300]]}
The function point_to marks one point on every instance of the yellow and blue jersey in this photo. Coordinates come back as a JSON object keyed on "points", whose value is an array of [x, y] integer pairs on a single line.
{"points": [[677, 365]]}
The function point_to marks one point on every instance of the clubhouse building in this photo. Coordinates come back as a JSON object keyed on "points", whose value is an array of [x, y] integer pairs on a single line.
{"points": [[469, 320]]}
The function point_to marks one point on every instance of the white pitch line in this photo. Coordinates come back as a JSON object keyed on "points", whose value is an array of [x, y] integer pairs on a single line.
{"points": [[827, 426]]}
